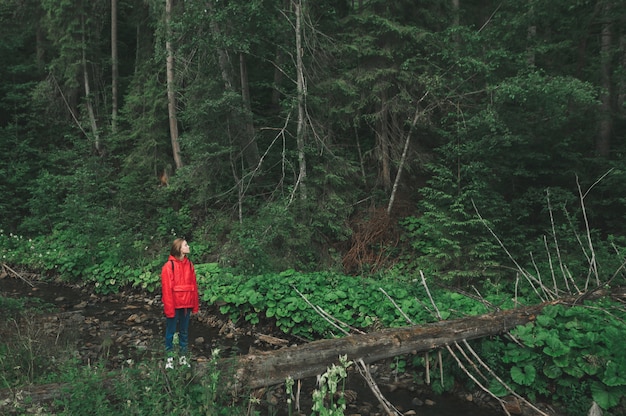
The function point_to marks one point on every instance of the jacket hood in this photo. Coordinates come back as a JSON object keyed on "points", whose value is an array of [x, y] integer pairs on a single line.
{"points": [[177, 260]]}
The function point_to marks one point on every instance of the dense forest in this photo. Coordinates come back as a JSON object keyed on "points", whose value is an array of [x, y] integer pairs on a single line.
{"points": [[338, 148], [360, 136]]}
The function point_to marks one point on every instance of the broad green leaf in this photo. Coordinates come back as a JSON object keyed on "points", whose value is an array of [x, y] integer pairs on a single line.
{"points": [[517, 355], [614, 375], [523, 375], [589, 364], [497, 388], [574, 370], [605, 397], [555, 348], [545, 321], [563, 361], [552, 371]]}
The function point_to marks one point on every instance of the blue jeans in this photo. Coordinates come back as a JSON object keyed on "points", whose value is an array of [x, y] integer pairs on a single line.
{"points": [[180, 319]]}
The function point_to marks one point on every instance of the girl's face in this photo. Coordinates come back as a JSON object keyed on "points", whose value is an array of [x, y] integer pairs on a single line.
{"points": [[184, 248]]}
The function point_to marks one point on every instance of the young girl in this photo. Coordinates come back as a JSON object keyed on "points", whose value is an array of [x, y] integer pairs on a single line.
{"points": [[180, 297]]}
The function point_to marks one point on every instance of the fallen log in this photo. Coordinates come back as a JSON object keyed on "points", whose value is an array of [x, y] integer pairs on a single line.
{"points": [[261, 369]]}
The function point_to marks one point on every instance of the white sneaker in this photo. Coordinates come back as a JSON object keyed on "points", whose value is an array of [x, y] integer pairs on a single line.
{"points": [[182, 361], [169, 363]]}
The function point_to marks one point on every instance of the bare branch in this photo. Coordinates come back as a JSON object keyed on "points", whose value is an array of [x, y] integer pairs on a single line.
{"points": [[524, 273], [404, 152], [408, 320], [18, 275], [328, 317], [510, 390], [556, 245], [478, 383], [429, 295], [593, 266], [390, 409]]}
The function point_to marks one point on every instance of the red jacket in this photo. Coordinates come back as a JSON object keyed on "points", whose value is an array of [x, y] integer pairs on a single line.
{"points": [[179, 286]]}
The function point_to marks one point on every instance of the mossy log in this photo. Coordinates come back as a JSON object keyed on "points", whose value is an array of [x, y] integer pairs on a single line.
{"points": [[261, 369]]}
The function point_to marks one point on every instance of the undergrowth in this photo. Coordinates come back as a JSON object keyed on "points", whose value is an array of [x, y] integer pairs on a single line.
{"points": [[147, 388]]}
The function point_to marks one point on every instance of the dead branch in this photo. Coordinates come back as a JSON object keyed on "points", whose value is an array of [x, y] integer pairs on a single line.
{"points": [[396, 182], [593, 265], [390, 409], [478, 383], [529, 277], [328, 317], [4, 265], [372, 238], [494, 375]]}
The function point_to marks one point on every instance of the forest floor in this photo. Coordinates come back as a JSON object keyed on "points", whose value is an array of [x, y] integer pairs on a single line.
{"points": [[130, 326]]}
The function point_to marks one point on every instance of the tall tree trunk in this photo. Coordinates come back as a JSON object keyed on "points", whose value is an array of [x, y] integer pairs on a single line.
{"points": [[301, 88], [530, 37], [41, 48], [603, 143], [88, 101], [114, 66], [405, 151], [278, 76], [248, 141], [384, 144], [278, 64], [456, 12], [621, 92], [244, 134], [171, 87]]}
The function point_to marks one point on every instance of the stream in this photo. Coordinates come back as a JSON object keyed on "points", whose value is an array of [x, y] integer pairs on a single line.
{"points": [[131, 326]]}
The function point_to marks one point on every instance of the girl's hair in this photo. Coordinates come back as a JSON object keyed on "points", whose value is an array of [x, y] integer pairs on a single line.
{"points": [[176, 245]]}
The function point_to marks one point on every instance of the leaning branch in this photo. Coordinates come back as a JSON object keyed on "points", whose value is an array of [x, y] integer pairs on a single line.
{"points": [[18, 275], [404, 153]]}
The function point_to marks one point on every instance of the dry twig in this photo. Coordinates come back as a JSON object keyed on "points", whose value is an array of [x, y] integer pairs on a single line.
{"points": [[18, 275], [530, 278], [493, 374], [328, 317], [390, 409]]}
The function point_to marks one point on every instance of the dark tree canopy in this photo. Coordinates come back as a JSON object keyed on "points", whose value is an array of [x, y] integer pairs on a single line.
{"points": [[295, 118]]}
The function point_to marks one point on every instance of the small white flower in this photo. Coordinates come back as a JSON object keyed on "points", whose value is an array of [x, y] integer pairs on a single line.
{"points": [[182, 361]]}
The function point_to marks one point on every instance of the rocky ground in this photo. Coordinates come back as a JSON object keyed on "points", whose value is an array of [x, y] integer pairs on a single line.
{"points": [[129, 326]]}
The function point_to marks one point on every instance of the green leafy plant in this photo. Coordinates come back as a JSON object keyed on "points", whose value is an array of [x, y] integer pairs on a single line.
{"points": [[289, 298], [568, 348], [399, 365], [28, 353], [329, 400], [148, 388]]}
